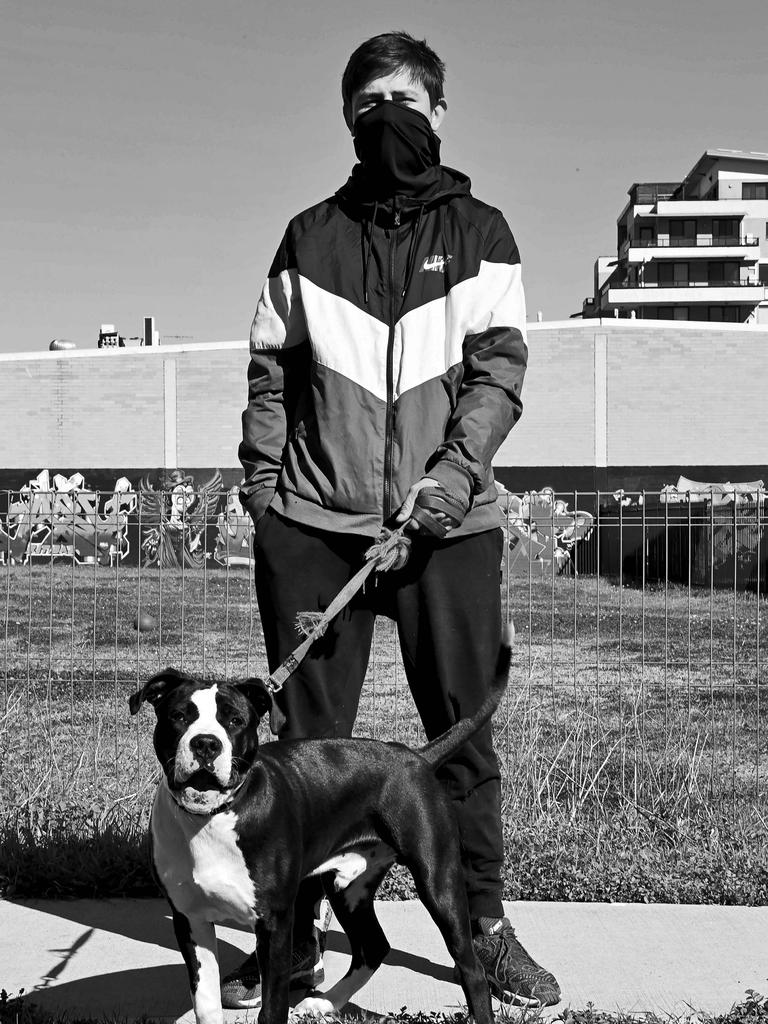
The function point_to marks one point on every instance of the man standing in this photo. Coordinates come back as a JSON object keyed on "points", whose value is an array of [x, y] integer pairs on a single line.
{"points": [[388, 353]]}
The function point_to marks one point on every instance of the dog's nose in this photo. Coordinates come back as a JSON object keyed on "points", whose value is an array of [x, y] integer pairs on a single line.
{"points": [[205, 747]]}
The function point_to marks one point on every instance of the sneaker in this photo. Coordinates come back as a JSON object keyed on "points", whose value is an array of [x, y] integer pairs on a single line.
{"points": [[513, 975], [241, 990]]}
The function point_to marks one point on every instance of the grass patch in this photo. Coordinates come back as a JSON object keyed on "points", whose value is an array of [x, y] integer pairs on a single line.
{"points": [[632, 740], [66, 853], [753, 1009]]}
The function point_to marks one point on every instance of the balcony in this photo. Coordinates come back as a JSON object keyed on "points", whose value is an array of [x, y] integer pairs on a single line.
{"points": [[742, 292], [694, 247], [694, 241], [707, 206]]}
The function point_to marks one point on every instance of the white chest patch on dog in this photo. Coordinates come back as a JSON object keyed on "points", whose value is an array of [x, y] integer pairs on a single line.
{"points": [[200, 864]]}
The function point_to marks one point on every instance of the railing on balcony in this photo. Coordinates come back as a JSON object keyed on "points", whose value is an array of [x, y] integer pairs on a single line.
{"points": [[685, 284], [693, 242]]}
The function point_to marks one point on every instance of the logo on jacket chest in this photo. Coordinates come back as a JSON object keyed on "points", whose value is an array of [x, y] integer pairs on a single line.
{"points": [[436, 263]]}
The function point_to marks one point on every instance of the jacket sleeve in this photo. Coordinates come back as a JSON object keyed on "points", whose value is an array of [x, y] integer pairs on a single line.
{"points": [[495, 355], [277, 333]]}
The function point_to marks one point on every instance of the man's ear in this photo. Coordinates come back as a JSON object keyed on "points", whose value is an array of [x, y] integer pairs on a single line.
{"points": [[262, 698], [438, 114], [156, 688], [347, 112]]}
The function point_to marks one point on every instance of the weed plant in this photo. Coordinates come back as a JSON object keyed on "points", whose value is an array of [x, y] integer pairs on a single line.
{"points": [[753, 1009]]}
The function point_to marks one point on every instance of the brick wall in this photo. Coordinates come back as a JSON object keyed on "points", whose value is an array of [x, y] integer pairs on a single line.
{"points": [[558, 422], [694, 396], [617, 394], [212, 392], [668, 395], [94, 410]]}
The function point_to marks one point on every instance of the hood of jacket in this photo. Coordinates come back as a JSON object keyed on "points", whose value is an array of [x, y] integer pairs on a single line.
{"points": [[436, 185]]}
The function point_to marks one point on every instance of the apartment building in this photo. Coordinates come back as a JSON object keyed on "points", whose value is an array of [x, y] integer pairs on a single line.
{"points": [[695, 249]]}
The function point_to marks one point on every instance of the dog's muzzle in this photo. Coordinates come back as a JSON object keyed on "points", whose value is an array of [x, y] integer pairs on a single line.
{"points": [[202, 771]]}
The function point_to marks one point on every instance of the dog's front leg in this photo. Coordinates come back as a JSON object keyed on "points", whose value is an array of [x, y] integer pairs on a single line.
{"points": [[197, 942], [274, 941]]}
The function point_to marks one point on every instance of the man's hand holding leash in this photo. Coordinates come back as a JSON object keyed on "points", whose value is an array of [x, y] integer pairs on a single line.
{"points": [[431, 510]]}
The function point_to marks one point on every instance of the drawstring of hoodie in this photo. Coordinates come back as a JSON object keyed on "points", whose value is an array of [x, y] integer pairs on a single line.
{"points": [[367, 255], [368, 249]]}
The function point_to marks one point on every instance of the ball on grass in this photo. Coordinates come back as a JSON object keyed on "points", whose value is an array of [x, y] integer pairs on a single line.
{"points": [[143, 622]]}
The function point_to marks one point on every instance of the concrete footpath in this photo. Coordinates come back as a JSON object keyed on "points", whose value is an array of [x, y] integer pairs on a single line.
{"points": [[119, 957]]}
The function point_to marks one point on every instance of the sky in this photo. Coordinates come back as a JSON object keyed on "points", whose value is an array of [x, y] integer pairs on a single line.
{"points": [[154, 150]]}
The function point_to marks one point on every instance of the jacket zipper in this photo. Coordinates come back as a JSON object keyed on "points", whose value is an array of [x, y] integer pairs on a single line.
{"points": [[389, 429]]}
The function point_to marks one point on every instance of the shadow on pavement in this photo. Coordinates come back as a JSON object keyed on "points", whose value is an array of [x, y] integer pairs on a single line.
{"points": [[157, 990]]}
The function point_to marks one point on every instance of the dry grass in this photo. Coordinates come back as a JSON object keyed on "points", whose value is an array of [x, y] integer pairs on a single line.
{"points": [[635, 724]]}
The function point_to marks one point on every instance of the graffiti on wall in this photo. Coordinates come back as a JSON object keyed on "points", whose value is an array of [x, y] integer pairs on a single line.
{"points": [[173, 522], [168, 522], [234, 539], [174, 519], [62, 518], [540, 530]]}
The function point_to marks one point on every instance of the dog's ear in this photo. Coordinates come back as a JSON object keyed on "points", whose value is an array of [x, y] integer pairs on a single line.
{"points": [[156, 688], [262, 698]]}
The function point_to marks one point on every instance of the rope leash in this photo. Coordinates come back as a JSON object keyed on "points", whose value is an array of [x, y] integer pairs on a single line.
{"points": [[389, 552]]}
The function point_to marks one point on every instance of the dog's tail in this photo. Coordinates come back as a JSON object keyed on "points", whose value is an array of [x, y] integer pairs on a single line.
{"points": [[440, 749]]}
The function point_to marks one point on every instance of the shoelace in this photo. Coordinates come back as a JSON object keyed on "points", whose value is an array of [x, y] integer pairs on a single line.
{"points": [[511, 947]]}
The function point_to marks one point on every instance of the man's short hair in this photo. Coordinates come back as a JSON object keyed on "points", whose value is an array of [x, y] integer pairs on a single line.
{"points": [[389, 52]]}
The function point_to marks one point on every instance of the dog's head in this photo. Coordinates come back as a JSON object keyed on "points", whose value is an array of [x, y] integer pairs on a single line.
{"points": [[205, 734]]}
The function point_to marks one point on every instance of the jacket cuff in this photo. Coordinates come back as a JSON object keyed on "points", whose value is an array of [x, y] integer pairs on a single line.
{"points": [[453, 478], [257, 502]]}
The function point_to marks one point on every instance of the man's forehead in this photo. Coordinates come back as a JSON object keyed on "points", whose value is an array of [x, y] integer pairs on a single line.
{"points": [[401, 80]]}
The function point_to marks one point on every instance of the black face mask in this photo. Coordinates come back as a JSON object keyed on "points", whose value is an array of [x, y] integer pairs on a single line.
{"points": [[397, 148]]}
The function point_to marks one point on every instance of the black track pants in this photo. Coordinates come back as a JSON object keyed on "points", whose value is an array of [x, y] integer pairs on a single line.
{"points": [[447, 605]]}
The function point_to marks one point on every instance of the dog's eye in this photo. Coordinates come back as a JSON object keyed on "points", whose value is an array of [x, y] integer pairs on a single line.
{"points": [[231, 716], [176, 716]]}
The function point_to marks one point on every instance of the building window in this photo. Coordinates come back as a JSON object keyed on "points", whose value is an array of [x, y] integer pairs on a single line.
{"points": [[724, 232], [682, 232], [723, 273], [681, 313], [724, 314], [673, 275], [754, 190]]}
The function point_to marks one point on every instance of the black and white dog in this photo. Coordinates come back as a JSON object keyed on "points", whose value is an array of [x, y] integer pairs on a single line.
{"points": [[236, 828]]}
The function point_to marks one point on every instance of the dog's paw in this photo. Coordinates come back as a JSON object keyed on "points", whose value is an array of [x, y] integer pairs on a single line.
{"points": [[315, 1006]]}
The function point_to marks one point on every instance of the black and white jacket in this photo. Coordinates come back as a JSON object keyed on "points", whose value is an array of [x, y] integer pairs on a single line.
{"points": [[389, 343]]}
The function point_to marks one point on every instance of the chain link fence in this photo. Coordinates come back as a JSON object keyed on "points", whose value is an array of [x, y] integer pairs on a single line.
{"points": [[637, 683]]}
